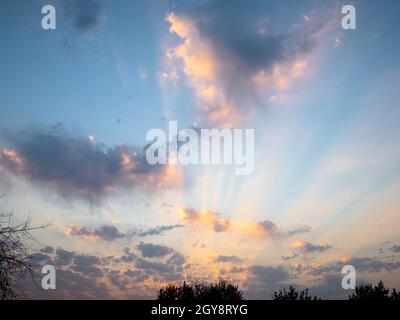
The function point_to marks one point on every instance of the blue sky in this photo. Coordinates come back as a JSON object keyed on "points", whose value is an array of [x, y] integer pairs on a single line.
{"points": [[323, 102]]}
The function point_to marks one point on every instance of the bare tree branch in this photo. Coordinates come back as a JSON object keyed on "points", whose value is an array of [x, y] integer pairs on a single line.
{"points": [[14, 256]]}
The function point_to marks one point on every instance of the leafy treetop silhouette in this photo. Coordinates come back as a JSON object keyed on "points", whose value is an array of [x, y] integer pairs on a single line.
{"points": [[221, 290], [370, 292], [292, 294]]}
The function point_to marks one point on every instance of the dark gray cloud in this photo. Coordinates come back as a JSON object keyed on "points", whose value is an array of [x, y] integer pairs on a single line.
{"points": [[264, 280], [234, 30], [268, 274], [373, 264], [151, 266], [395, 248], [177, 259], [111, 233], [77, 168], [222, 258], [171, 270], [87, 260], [70, 285], [128, 255], [149, 250], [299, 230], [307, 247], [361, 264], [85, 15], [38, 259], [107, 233], [122, 279], [156, 230], [83, 276], [63, 257], [87, 265], [269, 227], [294, 255], [330, 287]]}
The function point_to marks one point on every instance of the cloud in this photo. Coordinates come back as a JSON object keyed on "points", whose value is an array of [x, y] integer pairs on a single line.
{"points": [[307, 247], [63, 257], [79, 168], [152, 266], [87, 265], [88, 276], [264, 280], [367, 264], [361, 264], [214, 221], [38, 259], [85, 15], [111, 232], [330, 287], [170, 271], [299, 230], [149, 250], [268, 227], [395, 248], [222, 258], [177, 259], [268, 274], [47, 249], [294, 255], [156, 230], [128, 256], [107, 233], [79, 276], [209, 218], [232, 54]]}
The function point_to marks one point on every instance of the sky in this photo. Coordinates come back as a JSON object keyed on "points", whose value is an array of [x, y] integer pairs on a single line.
{"points": [[77, 102]]}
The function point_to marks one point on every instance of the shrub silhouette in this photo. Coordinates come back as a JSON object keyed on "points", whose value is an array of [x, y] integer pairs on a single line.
{"points": [[292, 294], [221, 290], [370, 292]]}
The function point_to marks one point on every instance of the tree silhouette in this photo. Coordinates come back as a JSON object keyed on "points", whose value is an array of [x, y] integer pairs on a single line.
{"points": [[292, 294], [14, 256], [221, 290], [370, 292]]}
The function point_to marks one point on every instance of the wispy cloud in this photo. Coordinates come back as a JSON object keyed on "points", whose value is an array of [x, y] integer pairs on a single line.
{"points": [[223, 259], [111, 232], [307, 247], [86, 15]]}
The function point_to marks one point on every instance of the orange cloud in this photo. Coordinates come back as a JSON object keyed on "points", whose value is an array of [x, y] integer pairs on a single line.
{"points": [[206, 218], [234, 76], [213, 221], [12, 157], [307, 247], [200, 67]]}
